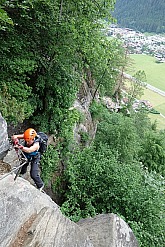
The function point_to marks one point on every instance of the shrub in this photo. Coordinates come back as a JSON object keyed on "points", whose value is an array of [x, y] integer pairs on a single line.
{"points": [[98, 183]]}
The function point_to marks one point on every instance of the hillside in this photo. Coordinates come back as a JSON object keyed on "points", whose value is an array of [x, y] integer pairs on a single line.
{"points": [[144, 16], [56, 68]]}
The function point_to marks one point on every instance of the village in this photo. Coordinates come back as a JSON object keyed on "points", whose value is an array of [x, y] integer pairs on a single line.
{"points": [[139, 43], [136, 43]]}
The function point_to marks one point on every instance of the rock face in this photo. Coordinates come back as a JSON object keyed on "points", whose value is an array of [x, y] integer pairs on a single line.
{"points": [[29, 218], [82, 104], [4, 143], [108, 230]]}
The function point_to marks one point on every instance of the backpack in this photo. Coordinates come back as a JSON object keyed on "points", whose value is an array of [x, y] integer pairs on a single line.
{"points": [[43, 142]]}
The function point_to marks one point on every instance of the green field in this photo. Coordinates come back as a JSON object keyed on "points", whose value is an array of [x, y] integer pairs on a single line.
{"points": [[158, 103], [155, 72]]}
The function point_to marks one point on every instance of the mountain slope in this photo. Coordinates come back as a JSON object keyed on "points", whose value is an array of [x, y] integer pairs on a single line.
{"points": [[29, 218], [144, 16]]}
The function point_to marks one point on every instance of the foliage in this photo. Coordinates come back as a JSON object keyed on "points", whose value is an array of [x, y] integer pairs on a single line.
{"points": [[107, 176], [49, 163], [142, 123], [110, 52], [47, 52], [137, 86], [119, 133], [152, 153], [97, 110], [4, 18], [98, 183], [150, 229], [150, 20], [17, 65], [18, 110], [84, 137]]}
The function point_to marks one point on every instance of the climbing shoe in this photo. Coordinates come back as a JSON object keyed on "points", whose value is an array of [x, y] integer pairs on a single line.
{"points": [[41, 189]]}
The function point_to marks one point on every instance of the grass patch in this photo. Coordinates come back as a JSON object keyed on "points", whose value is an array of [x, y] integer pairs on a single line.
{"points": [[160, 121], [157, 100], [158, 103], [155, 72]]}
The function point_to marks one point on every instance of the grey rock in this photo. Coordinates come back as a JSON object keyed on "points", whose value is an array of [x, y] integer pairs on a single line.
{"points": [[4, 167], [11, 158], [108, 230], [82, 104], [29, 218], [4, 143]]}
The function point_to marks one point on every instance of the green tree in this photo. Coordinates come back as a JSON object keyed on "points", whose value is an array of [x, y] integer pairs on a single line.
{"points": [[4, 18], [138, 19], [98, 183], [137, 86], [45, 55], [152, 153], [119, 133]]}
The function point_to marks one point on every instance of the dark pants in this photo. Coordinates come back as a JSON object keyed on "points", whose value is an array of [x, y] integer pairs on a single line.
{"points": [[34, 171]]}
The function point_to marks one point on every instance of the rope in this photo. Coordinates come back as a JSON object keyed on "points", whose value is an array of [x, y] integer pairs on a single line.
{"points": [[15, 168], [19, 153]]}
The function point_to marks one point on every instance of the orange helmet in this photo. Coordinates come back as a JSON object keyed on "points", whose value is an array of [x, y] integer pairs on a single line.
{"points": [[29, 134]]}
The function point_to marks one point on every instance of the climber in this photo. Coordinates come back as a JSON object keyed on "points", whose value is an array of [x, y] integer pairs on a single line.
{"points": [[30, 149]]}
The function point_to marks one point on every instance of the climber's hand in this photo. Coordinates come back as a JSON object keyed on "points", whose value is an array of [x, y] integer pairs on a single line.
{"points": [[16, 142], [18, 146]]}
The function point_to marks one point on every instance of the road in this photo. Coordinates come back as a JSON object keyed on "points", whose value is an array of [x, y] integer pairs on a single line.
{"points": [[156, 90]]}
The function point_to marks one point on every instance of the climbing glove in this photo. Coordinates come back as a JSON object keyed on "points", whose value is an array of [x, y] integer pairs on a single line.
{"points": [[18, 146], [16, 142]]}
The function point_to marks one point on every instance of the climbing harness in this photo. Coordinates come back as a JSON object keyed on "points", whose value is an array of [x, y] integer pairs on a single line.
{"points": [[22, 160]]}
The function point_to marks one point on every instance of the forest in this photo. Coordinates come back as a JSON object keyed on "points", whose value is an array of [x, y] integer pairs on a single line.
{"points": [[143, 16], [47, 48]]}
